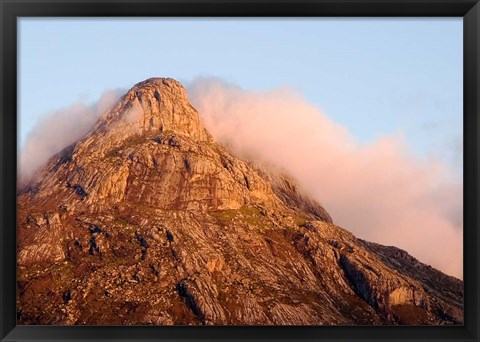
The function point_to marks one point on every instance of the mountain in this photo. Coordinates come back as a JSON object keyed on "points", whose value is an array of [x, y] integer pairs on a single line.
{"points": [[147, 220]]}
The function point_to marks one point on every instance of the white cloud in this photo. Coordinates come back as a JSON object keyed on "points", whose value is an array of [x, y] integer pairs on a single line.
{"points": [[378, 191], [59, 129]]}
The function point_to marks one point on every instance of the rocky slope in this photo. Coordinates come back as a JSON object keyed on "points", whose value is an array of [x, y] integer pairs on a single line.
{"points": [[147, 220]]}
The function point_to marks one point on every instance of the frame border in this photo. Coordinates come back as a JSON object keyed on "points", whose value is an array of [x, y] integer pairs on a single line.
{"points": [[10, 10]]}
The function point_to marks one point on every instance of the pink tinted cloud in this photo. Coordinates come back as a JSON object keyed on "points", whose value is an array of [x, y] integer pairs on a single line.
{"points": [[377, 191], [58, 129]]}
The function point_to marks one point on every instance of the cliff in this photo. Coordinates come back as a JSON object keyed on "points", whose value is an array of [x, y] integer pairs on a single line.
{"points": [[147, 220]]}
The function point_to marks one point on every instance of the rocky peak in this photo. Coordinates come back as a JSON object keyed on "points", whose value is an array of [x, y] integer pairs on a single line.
{"points": [[151, 107], [152, 142], [147, 220]]}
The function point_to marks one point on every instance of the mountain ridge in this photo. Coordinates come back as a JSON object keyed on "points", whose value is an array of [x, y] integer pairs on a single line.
{"points": [[151, 218]]}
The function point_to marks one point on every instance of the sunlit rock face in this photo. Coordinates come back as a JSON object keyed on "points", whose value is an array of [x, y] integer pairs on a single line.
{"points": [[147, 220]]}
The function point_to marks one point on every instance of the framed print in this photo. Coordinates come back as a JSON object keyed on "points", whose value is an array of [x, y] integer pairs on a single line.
{"points": [[216, 170]]}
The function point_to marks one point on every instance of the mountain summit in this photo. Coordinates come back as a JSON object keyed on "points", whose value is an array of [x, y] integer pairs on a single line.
{"points": [[147, 220]]}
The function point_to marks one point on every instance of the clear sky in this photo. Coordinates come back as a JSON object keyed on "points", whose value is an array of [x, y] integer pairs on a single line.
{"points": [[374, 76]]}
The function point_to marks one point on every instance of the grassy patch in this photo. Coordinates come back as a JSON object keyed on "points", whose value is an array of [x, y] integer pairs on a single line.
{"points": [[300, 220], [249, 215], [120, 221], [130, 141], [225, 216]]}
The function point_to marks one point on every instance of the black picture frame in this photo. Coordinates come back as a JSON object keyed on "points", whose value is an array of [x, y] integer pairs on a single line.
{"points": [[11, 10]]}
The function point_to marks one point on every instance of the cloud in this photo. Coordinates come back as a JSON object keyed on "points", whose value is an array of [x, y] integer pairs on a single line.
{"points": [[133, 114], [59, 129], [377, 191]]}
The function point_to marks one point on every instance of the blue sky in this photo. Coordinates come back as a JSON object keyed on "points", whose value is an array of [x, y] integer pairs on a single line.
{"points": [[375, 76]]}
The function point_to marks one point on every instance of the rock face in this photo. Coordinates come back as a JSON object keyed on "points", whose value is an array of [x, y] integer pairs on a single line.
{"points": [[147, 220]]}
